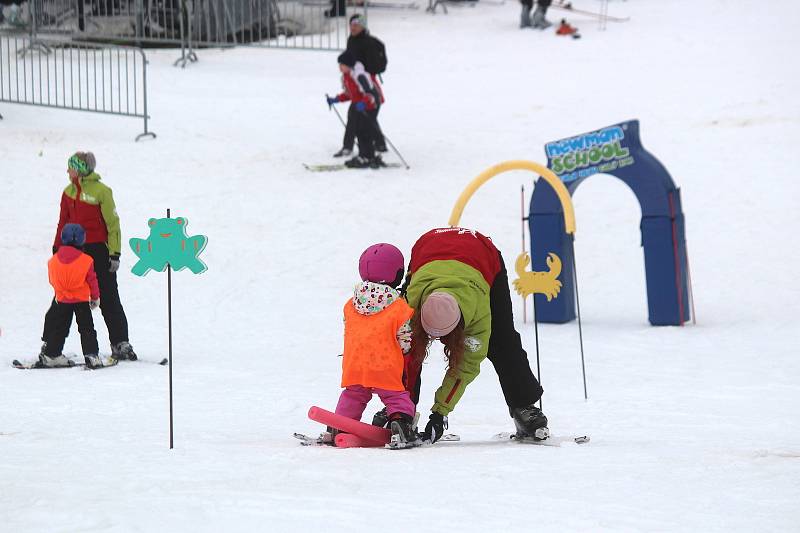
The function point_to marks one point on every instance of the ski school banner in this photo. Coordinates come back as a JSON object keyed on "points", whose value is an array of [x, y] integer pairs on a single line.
{"points": [[617, 151], [601, 151]]}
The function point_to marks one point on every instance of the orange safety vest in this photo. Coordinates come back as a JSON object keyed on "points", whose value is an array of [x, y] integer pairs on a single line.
{"points": [[372, 355], [69, 279]]}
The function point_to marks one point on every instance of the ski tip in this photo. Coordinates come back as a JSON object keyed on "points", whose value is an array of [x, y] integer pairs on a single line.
{"points": [[163, 361]]}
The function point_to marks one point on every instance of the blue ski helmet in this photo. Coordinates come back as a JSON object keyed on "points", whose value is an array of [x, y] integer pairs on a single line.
{"points": [[73, 235]]}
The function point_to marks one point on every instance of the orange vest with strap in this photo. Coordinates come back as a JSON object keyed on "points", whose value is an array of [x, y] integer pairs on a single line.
{"points": [[372, 355], [69, 279]]}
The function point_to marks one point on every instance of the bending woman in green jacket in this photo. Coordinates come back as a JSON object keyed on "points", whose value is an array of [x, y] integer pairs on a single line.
{"points": [[458, 286]]}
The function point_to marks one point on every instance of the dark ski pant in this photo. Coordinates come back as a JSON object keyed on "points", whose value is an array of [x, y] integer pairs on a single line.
{"points": [[110, 304], [520, 387], [57, 322], [350, 130], [366, 127]]}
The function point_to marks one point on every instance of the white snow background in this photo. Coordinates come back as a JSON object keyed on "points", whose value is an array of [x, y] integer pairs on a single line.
{"points": [[693, 428]]}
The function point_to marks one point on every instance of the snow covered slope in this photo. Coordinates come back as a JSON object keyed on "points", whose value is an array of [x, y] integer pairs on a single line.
{"points": [[693, 428]]}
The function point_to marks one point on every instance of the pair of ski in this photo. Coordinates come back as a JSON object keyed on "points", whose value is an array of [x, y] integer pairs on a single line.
{"points": [[108, 361], [357, 434], [341, 166]]}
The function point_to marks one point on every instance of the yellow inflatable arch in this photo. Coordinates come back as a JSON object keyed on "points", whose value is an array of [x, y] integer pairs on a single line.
{"points": [[528, 283], [517, 164]]}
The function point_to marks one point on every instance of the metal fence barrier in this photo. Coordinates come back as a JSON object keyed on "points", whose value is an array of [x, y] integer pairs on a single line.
{"points": [[57, 73], [302, 24]]}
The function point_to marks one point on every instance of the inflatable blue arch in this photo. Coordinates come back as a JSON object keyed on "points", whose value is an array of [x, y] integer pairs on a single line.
{"points": [[616, 150]]}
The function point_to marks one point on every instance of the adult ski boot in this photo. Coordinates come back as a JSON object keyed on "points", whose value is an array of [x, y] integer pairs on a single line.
{"points": [[530, 422], [123, 351]]}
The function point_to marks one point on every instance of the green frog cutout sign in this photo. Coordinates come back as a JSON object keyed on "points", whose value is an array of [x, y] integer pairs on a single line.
{"points": [[168, 244]]}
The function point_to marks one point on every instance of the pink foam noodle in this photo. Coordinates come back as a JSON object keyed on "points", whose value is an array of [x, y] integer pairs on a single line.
{"points": [[379, 436], [348, 440]]}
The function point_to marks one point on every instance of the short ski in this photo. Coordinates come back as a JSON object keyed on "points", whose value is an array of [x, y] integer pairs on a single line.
{"points": [[342, 166], [37, 365], [342, 440], [107, 362], [305, 440], [549, 441]]}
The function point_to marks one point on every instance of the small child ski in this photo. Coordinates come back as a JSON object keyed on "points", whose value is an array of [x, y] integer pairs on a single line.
{"points": [[377, 335], [71, 273]]}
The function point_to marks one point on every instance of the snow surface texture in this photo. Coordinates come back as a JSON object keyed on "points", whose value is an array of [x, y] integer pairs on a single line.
{"points": [[693, 428]]}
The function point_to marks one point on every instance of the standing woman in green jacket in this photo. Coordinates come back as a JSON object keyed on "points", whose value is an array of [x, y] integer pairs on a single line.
{"points": [[90, 203], [458, 286]]}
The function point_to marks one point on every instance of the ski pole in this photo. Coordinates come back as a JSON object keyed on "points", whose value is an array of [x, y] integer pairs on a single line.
{"points": [[339, 116], [396, 151], [578, 303], [536, 336], [337, 113], [385, 138]]}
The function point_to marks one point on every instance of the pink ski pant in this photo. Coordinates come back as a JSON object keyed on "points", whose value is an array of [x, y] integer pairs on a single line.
{"points": [[354, 400]]}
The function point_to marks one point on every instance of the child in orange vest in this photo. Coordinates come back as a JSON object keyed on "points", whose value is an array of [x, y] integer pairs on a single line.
{"points": [[71, 273], [377, 335]]}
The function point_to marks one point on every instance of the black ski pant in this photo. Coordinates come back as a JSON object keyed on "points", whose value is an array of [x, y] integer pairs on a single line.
{"points": [[520, 387], [110, 304], [350, 130], [57, 322], [366, 125]]}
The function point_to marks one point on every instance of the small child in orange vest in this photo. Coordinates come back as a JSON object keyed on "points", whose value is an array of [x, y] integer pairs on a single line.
{"points": [[71, 273], [377, 335]]}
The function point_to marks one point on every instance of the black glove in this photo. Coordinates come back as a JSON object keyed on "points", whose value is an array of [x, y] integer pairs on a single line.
{"points": [[435, 427], [113, 263]]}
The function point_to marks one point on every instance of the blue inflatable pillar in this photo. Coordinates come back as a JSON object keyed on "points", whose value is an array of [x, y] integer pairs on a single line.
{"points": [[615, 150]]}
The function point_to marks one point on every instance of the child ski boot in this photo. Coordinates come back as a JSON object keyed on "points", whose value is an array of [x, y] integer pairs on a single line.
{"points": [[404, 434]]}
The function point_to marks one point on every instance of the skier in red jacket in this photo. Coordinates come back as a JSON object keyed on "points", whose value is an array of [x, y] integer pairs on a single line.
{"points": [[367, 97]]}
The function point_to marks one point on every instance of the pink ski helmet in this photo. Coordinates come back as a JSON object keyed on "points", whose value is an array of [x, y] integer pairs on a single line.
{"points": [[381, 263]]}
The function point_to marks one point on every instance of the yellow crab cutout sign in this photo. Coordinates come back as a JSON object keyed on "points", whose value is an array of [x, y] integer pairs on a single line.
{"points": [[538, 282], [528, 282]]}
